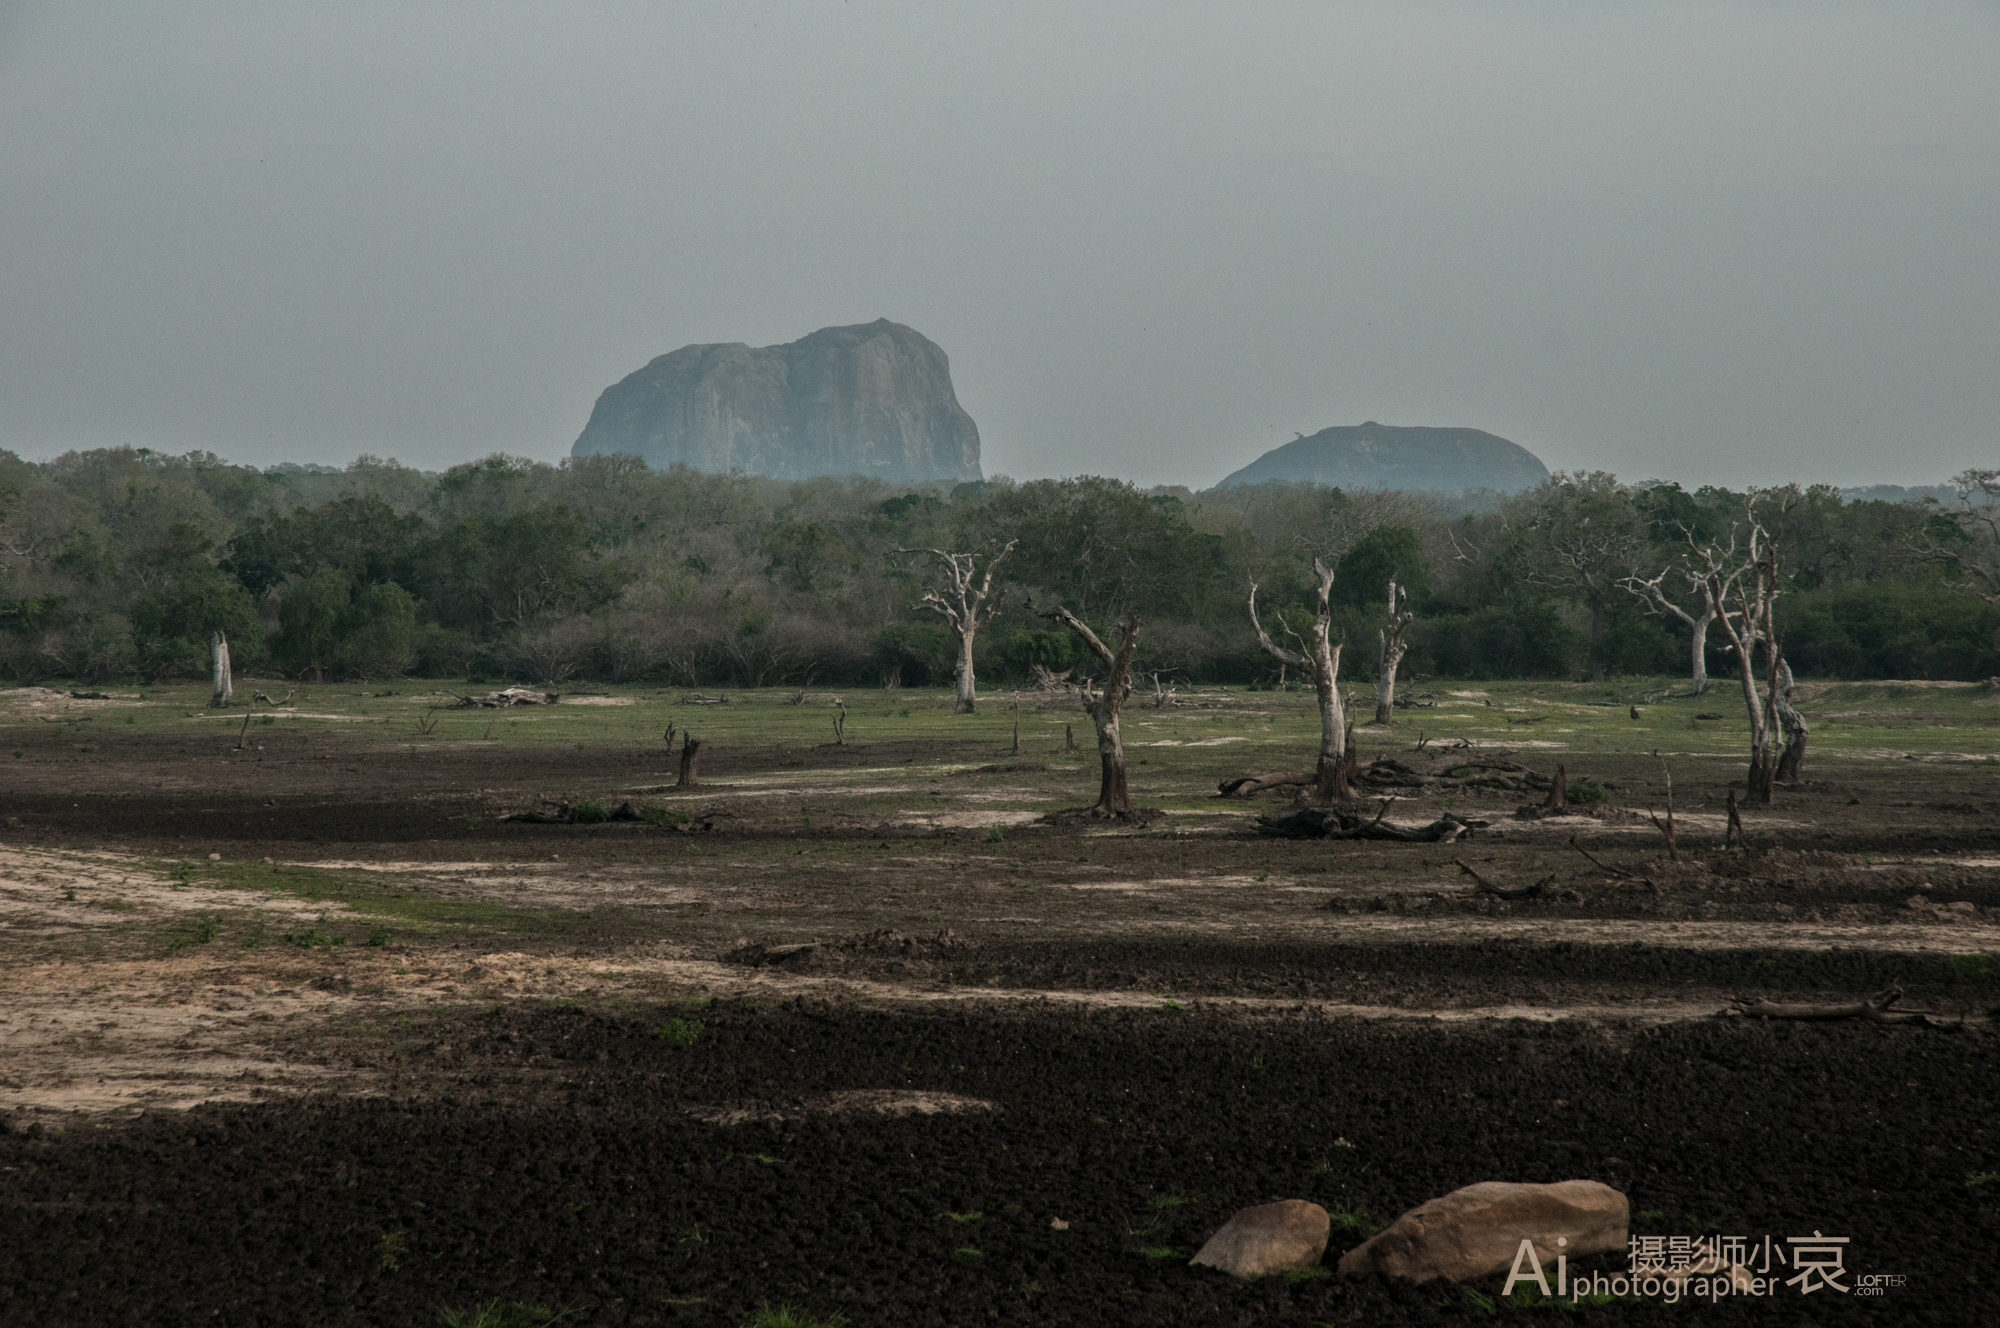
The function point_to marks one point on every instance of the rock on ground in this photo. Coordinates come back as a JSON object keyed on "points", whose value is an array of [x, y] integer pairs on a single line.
{"points": [[1476, 1231], [1277, 1237]]}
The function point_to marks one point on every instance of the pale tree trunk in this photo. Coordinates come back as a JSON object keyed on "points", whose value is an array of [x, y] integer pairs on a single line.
{"points": [[1761, 770], [219, 672], [1698, 650], [1791, 761], [963, 605], [1330, 780], [1390, 640], [968, 694], [1114, 797]]}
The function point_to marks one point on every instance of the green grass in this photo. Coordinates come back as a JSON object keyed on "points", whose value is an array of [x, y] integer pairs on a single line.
{"points": [[784, 1316], [503, 1314], [679, 1032], [1969, 967], [371, 895], [1356, 1220]]}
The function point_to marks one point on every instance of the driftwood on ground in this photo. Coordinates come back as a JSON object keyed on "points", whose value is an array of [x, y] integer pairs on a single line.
{"points": [[1877, 1009], [505, 697], [1340, 823], [1451, 774]]}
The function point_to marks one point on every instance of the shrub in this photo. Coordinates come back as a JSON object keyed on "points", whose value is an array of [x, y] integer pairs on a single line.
{"points": [[589, 813], [679, 1032], [1586, 790]]}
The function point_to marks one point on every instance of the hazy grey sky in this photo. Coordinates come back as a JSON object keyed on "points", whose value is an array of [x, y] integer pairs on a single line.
{"points": [[1717, 243]]}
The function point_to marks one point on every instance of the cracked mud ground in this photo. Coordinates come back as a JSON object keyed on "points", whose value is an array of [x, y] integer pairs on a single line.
{"points": [[853, 1046]]}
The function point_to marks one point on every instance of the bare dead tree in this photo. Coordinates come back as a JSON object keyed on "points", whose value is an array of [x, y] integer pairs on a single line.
{"points": [[1323, 658], [964, 605], [219, 672], [1390, 640], [1660, 606], [1103, 704], [1745, 590]]}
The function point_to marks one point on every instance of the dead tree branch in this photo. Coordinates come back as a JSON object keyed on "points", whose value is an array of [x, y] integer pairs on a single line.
{"points": [[1601, 864], [1482, 886]]}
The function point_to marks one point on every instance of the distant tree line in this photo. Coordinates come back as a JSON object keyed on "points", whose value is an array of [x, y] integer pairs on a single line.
{"points": [[120, 563]]}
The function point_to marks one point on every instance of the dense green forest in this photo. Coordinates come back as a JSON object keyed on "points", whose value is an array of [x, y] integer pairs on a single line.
{"points": [[119, 563]]}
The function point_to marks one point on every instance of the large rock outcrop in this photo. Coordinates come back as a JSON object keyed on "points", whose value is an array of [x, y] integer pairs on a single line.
{"points": [[1387, 456], [873, 399]]}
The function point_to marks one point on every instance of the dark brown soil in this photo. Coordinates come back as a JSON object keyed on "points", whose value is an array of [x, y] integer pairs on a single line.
{"points": [[547, 1157], [518, 1149]]}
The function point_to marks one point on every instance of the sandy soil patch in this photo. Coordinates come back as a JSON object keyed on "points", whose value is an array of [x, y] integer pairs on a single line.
{"points": [[44, 698], [966, 820]]}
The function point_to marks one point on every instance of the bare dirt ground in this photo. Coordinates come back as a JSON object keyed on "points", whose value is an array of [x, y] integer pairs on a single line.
{"points": [[323, 904]]}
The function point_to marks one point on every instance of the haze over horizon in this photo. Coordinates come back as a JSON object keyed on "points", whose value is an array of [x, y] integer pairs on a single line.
{"points": [[1693, 242]]}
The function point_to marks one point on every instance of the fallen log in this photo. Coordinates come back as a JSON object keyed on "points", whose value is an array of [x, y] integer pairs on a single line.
{"points": [[1334, 823], [562, 815], [1244, 785], [1877, 1009], [502, 699]]}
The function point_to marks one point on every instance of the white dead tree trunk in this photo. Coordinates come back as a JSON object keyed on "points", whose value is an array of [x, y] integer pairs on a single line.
{"points": [[1323, 658], [963, 605], [219, 673], [1659, 605], [1745, 593], [1390, 640], [1103, 704]]}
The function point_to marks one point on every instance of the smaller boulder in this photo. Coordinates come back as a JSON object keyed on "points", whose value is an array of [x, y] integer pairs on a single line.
{"points": [[1478, 1230], [1282, 1237]]}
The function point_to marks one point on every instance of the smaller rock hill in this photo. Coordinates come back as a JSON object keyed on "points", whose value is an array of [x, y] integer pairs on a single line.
{"points": [[1388, 456]]}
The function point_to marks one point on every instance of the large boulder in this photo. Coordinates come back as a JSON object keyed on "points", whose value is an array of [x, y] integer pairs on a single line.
{"points": [[873, 399], [1282, 1237], [1387, 456], [1478, 1230]]}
